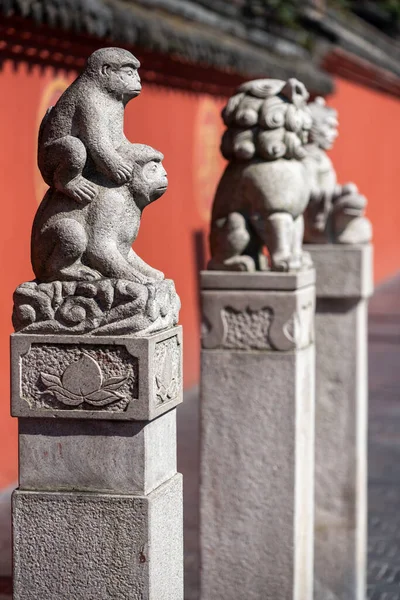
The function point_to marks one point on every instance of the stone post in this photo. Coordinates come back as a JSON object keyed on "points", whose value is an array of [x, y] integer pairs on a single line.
{"points": [[257, 436], [344, 284], [338, 237], [98, 511], [96, 363], [258, 363]]}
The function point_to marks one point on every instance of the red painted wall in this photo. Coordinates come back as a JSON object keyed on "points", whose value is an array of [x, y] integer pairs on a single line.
{"points": [[187, 128]]}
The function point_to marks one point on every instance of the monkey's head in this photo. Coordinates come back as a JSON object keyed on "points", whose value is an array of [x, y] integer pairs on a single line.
{"points": [[116, 71], [149, 178]]}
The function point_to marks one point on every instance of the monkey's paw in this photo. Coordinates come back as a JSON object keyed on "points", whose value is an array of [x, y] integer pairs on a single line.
{"points": [[81, 189], [123, 173]]}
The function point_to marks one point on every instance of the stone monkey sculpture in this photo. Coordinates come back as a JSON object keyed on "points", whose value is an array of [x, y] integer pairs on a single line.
{"points": [[335, 213], [75, 242], [89, 280], [86, 125], [264, 190]]}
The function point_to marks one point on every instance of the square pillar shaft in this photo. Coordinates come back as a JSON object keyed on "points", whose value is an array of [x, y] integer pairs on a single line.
{"points": [[257, 436], [344, 284], [98, 511]]}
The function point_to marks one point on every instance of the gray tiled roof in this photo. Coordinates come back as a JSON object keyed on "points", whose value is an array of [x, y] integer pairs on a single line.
{"points": [[185, 29]]}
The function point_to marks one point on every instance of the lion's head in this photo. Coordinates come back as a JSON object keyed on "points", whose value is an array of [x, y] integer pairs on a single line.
{"points": [[324, 129], [267, 119]]}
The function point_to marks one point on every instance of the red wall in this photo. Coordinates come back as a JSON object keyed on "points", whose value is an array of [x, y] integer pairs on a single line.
{"points": [[187, 128]]}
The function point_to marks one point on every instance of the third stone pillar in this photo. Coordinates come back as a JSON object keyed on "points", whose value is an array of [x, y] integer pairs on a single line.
{"points": [[344, 284]]}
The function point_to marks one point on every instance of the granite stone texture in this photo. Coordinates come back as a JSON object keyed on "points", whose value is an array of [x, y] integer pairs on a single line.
{"points": [[131, 457], [268, 318], [265, 188], [231, 280], [343, 271], [113, 378], [96, 363], [103, 307], [344, 283], [98, 511], [89, 280], [257, 462], [98, 546], [383, 462]]}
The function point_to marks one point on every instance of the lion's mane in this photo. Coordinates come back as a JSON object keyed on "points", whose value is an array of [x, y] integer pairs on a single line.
{"points": [[320, 114], [267, 119]]}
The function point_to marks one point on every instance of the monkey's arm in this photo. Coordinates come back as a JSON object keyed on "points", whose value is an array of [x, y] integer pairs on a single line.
{"points": [[94, 133]]}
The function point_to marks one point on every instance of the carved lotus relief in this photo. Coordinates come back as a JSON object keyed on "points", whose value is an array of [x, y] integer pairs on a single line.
{"points": [[83, 383]]}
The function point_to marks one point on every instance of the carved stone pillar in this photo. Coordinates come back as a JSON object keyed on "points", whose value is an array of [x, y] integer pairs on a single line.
{"points": [[344, 284], [98, 511], [96, 363], [257, 435]]}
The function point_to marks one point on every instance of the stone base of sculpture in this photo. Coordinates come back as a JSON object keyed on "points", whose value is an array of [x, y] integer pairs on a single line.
{"points": [[98, 511], [257, 435], [97, 307], [344, 284]]}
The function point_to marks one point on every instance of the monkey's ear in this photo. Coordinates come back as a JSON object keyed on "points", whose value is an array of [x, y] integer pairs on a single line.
{"points": [[105, 69]]}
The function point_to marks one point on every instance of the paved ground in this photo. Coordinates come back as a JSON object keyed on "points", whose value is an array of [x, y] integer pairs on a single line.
{"points": [[384, 458]]}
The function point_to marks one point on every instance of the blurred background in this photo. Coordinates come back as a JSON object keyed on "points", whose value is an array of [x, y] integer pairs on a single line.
{"points": [[194, 53]]}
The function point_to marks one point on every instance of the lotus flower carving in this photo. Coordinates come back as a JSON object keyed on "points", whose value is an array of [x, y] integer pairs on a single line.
{"points": [[82, 382]]}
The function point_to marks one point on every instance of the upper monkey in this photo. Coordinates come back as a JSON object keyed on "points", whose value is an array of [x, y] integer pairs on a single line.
{"points": [[86, 126]]}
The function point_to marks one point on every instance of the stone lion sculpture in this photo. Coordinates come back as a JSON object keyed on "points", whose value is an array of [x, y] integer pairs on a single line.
{"points": [[265, 189], [335, 213], [88, 277]]}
